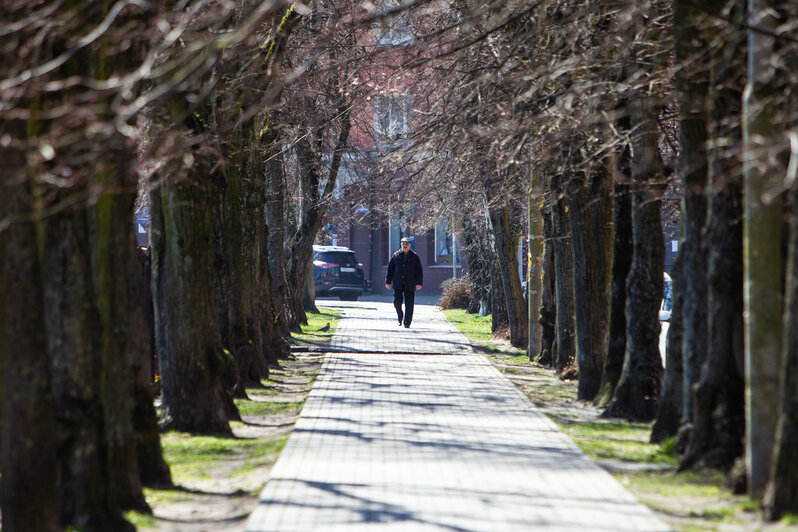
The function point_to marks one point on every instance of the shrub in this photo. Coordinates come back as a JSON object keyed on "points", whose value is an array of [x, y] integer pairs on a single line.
{"points": [[456, 293]]}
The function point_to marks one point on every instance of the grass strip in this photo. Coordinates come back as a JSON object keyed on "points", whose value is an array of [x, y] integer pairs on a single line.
{"points": [[312, 335]]}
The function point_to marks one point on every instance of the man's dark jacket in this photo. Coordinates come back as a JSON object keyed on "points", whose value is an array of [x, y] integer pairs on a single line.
{"points": [[404, 271]]}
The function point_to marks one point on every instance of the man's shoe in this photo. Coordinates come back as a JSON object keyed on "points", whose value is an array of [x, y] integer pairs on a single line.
{"points": [[407, 325], [400, 324]]}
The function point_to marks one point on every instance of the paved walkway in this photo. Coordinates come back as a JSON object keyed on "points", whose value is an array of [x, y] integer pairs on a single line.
{"points": [[440, 442]]}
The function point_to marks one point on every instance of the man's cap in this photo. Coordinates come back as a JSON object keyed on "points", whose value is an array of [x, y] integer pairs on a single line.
{"points": [[405, 239]]}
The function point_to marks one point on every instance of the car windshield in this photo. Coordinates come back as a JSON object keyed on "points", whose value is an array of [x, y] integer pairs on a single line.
{"points": [[342, 258]]}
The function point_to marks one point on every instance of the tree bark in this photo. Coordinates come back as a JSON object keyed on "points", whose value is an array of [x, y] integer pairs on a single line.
{"points": [[196, 373], [669, 411], [534, 283], [590, 214], [623, 248], [564, 280], [498, 302], [269, 329], [476, 248], [234, 284], [227, 270], [781, 493], [506, 240], [638, 389], [691, 86], [763, 261], [275, 220], [28, 496], [548, 307], [125, 346], [719, 418], [75, 345]]}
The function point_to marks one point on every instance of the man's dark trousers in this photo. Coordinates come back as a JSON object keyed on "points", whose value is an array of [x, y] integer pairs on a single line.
{"points": [[409, 296]]}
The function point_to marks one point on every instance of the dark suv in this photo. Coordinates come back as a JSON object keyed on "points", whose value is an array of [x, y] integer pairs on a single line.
{"points": [[336, 272]]}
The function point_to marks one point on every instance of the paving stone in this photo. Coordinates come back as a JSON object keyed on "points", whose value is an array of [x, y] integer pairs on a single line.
{"points": [[440, 441]]}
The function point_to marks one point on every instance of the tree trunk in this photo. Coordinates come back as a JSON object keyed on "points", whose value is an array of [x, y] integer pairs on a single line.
{"points": [[564, 281], [476, 248], [691, 86], [669, 412], [781, 494], [763, 261], [27, 447], [534, 283], [125, 345], [314, 207], [498, 302], [719, 417], [276, 194], [506, 239], [75, 344], [227, 270], [639, 387], [196, 373], [590, 214], [235, 247], [264, 320], [623, 248], [309, 298], [153, 469], [548, 307]]}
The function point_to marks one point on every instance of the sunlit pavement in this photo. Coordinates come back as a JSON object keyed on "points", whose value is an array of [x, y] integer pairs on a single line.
{"points": [[408, 429]]}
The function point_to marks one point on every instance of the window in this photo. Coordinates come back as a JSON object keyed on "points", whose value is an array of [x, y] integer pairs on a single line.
{"points": [[391, 112], [395, 28], [394, 234], [398, 227], [446, 247]]}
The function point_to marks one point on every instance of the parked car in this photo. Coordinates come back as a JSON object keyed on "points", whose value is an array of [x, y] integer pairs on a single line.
{"points": [[336, 272]]}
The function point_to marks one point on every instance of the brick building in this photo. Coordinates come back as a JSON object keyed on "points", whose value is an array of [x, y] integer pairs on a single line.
{"points": [[382, 125]]}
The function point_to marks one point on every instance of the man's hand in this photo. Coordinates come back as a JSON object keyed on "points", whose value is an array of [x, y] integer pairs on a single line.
{"points": [[418, 287], [388, 286]]}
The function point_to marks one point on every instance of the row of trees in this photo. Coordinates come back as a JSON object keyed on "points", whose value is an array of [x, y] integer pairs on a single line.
{"points": [[185, 107], [583, 115]]}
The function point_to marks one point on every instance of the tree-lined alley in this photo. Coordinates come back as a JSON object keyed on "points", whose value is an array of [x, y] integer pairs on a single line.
{"points": [[555, 125]]}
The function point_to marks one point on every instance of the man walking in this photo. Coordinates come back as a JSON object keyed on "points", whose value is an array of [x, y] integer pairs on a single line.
{"points": [[405, 276]]}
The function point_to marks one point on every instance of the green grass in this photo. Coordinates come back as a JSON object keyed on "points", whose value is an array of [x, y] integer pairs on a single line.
{"points": [[193, 456], [140, 520], [310, 335], [617, 440], [261, 408], [789, 519], [477, 329]]}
